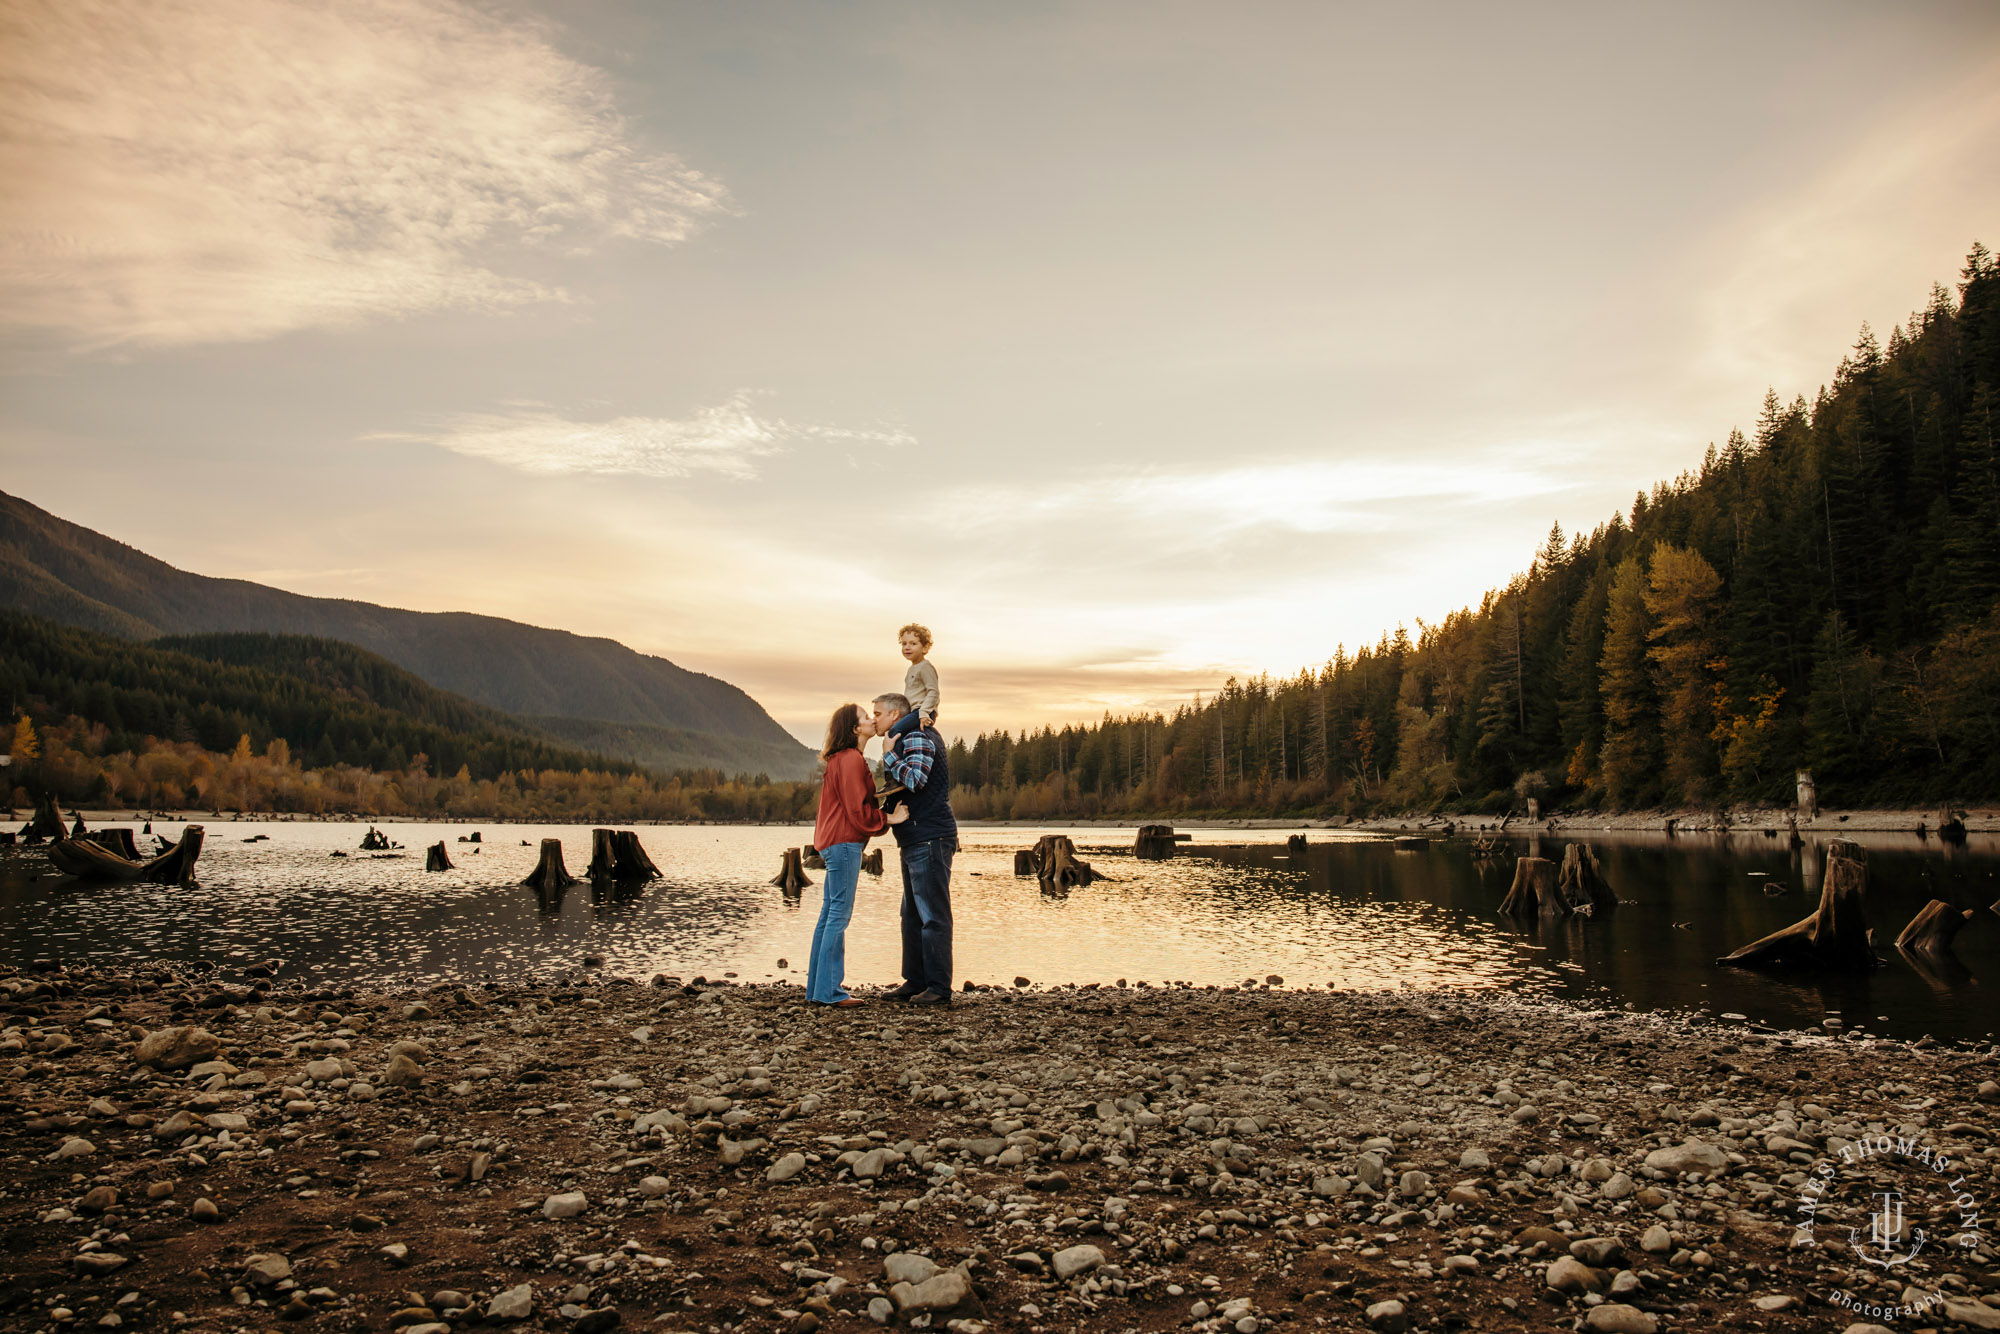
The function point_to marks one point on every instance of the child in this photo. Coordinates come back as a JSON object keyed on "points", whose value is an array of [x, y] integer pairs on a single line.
{"points": [[920, 687], [920, 683]]}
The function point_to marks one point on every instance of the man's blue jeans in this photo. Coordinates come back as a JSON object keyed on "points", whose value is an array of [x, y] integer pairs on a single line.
{"points": [[826, 967], [927, 915]]}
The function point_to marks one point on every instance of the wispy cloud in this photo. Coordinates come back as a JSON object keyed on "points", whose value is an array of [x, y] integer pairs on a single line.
{"points": [[185, 171], [726, 440]]}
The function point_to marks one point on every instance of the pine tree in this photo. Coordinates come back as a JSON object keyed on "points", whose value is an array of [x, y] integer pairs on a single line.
{"points": [[1680, 597], [1630, 755]]}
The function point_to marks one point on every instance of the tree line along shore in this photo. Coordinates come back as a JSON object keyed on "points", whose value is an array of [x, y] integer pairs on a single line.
{"points": [[1821, 594]]}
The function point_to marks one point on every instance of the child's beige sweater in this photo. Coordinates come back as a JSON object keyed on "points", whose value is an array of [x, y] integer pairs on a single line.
{"points": [[920, 687]]}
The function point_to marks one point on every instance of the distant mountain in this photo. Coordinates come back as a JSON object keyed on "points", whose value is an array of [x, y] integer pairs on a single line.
{"points": [[332, 703], [671, 717]]}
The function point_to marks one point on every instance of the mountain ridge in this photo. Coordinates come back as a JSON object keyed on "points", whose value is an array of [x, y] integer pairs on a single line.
{"points": [[73, 575]]}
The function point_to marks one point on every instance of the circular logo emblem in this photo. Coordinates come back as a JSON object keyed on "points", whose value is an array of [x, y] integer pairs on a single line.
{"points": [[1893, 1214]]}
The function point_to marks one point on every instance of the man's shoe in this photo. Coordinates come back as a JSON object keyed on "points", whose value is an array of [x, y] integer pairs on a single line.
{"points": [[902, 993], [930, 998]]}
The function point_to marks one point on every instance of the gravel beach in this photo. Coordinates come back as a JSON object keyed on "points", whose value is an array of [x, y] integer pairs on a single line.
{"points": [[189, 1150]]}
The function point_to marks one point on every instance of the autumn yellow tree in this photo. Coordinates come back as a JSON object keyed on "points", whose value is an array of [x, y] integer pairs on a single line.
{"points": [[1681, 598], [25, 747], [1630, 755]]}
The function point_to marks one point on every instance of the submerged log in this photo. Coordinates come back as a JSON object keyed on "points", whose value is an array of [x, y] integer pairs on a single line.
{"points": [[87, 859], [1153, 843], [1056, 865], [872, 863], [436, 859], [791, 876], [1412, 844], [1932, 930], [1835, 936], [117, 840], [811, 859], [1534, 890], [550, 875], [1581, 882]]}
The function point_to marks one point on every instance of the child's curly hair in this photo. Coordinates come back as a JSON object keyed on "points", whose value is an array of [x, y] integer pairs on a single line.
{"points": [[922, 632]]}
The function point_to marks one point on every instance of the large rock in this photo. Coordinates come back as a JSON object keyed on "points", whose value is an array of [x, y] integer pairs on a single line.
{"points": [[1618, 1318], [1693, 1156], [1077, 1260], [1389, 1317], [1978, 1315], [266, 1270], [516, 1303], [940, 1292], [177, 1048], [1572, 1275], [566, 1205], [786, 1167], [98, 1262], [403, 1072], [903, 1267]]}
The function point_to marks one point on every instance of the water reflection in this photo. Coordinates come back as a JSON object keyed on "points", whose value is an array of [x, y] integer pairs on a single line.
{"points": [[1342, 912]]}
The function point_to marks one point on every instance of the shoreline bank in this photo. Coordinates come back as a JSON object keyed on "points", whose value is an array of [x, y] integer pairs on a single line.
{"points": [[597, 1153]]}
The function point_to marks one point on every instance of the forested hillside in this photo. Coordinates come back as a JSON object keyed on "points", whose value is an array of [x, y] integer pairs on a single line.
{"points": [[1823, 593]]}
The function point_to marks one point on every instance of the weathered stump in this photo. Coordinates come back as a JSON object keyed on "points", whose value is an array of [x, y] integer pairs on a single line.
{"points": [[1835, 936], [872, 863], [1024, 862], [76, 829], [1056, 864], [1153, 843], [46, 822], [811, 858], [628, 858], [436, 859], [1933, 930], [374, 840], [791, 876], [1535, 889], [1581, 882], [1295, 846], [1950, 827], [117, 840], [602, 859], [550, 875], [175, 864]]}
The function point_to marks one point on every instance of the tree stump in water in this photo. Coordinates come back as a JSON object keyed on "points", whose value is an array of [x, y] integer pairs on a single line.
{"points": [[791, 876], [872, 863], [175, 865], [811, 858], [76, 829], [1535, 889], [46, 822], [1835, 936], [435, 858], [628, 858], [549, 875], [1154, 843], [1295, 846], [601, 857], [1056, 865], [1932, 930], [117, 840], [1024, 862], [1950, 828], [1581, 882], [374, 840]]}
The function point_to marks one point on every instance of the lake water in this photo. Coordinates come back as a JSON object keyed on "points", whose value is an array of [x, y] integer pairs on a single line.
{"points": [[1352, 912]]}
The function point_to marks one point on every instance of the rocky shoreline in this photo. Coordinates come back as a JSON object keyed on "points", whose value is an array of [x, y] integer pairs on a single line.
{"points": [[199, 1151]]}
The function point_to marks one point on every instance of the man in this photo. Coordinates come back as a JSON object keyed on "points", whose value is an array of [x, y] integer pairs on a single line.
{"points": [[913, 756]]}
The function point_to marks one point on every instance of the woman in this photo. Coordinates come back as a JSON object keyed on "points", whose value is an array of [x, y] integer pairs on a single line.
{"points": [[848, 817]]}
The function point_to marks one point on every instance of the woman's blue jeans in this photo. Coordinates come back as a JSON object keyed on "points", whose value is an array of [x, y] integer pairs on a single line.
{"points": [[827, 966]]}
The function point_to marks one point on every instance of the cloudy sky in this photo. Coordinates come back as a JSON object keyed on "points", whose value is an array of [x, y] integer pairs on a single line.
{"points": [[1127, 345]]}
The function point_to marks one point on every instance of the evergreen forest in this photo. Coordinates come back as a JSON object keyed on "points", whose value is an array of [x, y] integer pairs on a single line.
{"points": [[1823, 593]]}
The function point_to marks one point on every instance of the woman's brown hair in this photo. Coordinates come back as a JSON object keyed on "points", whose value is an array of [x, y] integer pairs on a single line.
{"points": [[841, 732]]}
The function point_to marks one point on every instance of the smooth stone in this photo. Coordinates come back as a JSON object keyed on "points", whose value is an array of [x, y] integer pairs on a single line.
{"points": [[1976, 1314], [177, 1048], [1595, 1251], [73, 1148], [1571, 1275], [1775, 1302], [403, 1072], [1475, 1160], [940, 1292], [654, 1187], [1077, 1260], [266, 1270], [1656, 1240], [566, 1205], [516, 1303], [1617, 1188], [1413, 1183], [203, 1210], [786, 1167], [1389, 1317], [904, 1267], [1618, 1318], [1693, 1156], [881, 1310], [99, 1199], [98, 1262]]}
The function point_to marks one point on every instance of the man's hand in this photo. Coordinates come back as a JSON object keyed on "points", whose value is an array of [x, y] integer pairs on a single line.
{"points": [[897, 816]]}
